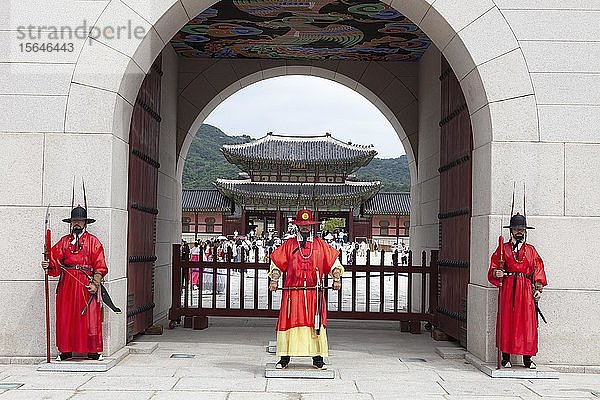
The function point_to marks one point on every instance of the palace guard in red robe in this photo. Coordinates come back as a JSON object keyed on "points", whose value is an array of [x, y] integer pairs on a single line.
{"points": [[78, 258], [517, 270], [302, 322]]}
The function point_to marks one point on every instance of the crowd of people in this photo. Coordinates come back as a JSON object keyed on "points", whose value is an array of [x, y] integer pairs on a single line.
{"points": [[253, 248]]}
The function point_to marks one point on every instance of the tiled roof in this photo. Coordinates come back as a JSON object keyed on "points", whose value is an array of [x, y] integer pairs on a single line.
{"points": [[293, 190], [205, 200], [300, 149], [388, 203]]}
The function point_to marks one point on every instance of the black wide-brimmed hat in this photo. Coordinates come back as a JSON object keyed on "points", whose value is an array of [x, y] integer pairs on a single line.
{"points": [[518, 221], [79, 213]]}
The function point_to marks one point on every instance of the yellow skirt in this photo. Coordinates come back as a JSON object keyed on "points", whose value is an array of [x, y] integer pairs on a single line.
{"points": [[301, 342]]}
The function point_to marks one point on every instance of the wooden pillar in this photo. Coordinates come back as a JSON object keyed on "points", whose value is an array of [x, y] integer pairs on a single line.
{"points": [[196, 226], [244, 223], [350, 226], [278, 226]]}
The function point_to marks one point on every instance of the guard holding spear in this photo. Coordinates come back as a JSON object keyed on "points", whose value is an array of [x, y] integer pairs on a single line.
{"points": [[302, 322], [78, 258], [517, 270]]}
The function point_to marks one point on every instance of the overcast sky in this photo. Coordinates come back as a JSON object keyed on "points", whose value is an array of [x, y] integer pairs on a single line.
{"points": [[302, 105]]}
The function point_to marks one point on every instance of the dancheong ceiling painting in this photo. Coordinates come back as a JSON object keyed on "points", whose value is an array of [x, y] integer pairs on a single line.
{"points": [[312, 30]]}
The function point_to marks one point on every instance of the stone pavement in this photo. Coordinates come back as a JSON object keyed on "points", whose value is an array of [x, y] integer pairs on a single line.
{"points": [[229, 362]]}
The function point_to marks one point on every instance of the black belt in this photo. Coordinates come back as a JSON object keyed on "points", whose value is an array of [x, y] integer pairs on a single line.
{"points": [[80, 267], [516, 274], [524, 275]]}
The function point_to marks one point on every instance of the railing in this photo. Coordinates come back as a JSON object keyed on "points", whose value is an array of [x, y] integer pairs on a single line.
{"points": [[240, 289]]}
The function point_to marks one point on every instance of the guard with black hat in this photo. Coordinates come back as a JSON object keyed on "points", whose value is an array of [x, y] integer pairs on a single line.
{"points": [[517, 270], [78, 258]]}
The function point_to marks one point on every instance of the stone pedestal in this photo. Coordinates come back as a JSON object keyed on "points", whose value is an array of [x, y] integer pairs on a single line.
{"points": [[517, 371], [85, 365]]}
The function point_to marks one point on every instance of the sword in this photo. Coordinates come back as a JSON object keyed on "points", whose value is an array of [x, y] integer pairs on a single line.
{"points": [[318, 288], [305, 287]]}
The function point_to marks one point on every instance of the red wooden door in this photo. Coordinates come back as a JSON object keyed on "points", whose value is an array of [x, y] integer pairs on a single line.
{"points": [[143, 181], [456, 145]]}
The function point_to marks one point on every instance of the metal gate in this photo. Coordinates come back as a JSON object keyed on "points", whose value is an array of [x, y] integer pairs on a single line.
{"points": [[456, 145], [143, 180]]}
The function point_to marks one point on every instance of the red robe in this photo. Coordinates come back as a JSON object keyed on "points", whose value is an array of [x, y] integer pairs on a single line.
{"points": [[75, 332], [302, 272], [518, 326]]}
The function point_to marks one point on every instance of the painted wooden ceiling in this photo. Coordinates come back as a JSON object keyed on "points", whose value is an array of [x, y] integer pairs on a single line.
{"points": [[299, 29]]}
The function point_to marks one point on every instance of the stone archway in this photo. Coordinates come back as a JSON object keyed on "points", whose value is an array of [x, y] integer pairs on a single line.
{"points": [[475, 38]]}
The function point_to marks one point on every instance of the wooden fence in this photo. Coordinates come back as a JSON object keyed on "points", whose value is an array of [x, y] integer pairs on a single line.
{"points": [[405, 293]]}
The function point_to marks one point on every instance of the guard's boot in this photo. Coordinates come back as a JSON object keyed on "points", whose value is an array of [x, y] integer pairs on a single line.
{"points": [[283, 362], [318, 363], [506, 360], [64, 356], [94, 356], [528, 362]]}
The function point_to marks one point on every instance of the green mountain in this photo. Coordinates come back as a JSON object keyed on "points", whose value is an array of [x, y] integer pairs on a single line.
{"points": [[205, 163]]}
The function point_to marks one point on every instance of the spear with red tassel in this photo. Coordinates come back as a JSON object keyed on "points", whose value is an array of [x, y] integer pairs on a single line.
{"points": [[47, 249]]}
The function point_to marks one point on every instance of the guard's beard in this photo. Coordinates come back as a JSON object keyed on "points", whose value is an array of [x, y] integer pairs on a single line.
{"points": [[305, 236], [77, 230], [519, 238]]}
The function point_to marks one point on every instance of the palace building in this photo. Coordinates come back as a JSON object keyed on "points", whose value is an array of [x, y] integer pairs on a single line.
{"points": [[281, 174]]}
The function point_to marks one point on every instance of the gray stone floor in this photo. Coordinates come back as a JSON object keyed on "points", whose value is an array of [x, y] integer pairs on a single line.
{"points": [[230, 359]]}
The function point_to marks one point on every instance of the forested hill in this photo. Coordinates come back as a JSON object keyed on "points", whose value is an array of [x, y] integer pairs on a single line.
{"points": [[205, 163]]}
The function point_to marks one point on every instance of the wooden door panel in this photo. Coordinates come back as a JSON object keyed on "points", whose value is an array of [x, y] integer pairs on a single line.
{"points": [[455, 207], [142, 202]]}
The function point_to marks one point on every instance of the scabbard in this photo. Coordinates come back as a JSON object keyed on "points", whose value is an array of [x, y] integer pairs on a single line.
{"points": [[108, 301], [538, 312], [105, 299], [88, 304]]}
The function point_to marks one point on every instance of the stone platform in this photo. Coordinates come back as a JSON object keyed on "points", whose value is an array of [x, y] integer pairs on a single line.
{"points": [[298, 371], [85, 365], [517, 371], [272, 347]]}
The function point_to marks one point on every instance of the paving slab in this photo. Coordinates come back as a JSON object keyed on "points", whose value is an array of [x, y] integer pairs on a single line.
{"points": [[47, 381], [129, 383], [142, 347], [20, 394], [110, 394], [291, 385], [222, 385], [451, 352], [514, 388], [300, 371], [400, 389], [335, 396], [558, 389], [187, 395]]}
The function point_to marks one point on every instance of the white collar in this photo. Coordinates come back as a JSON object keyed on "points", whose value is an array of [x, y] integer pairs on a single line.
{"points": [[519, 245], [75, 237]]}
